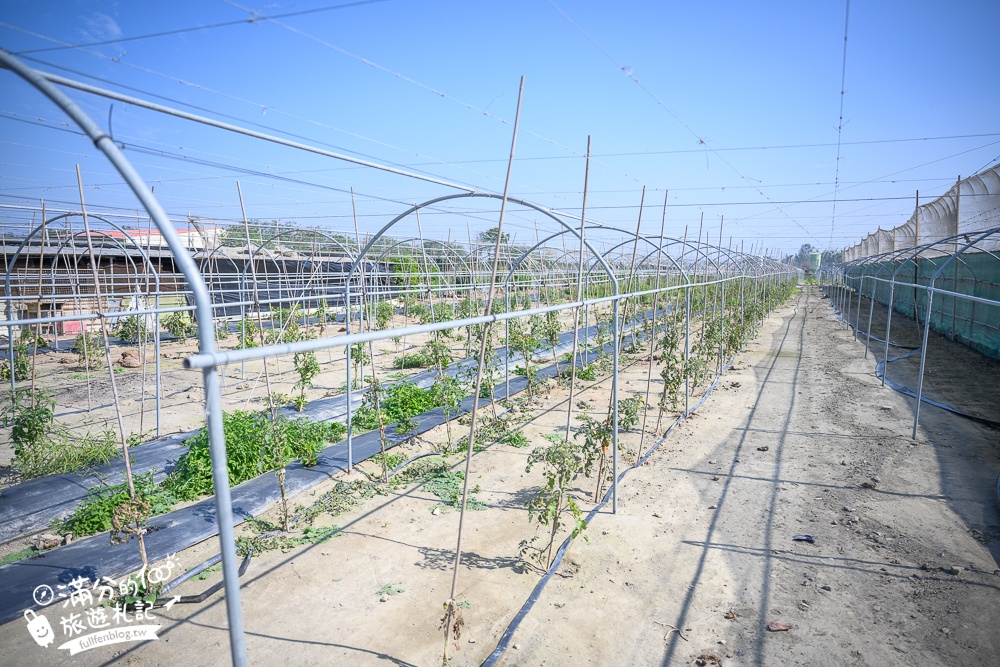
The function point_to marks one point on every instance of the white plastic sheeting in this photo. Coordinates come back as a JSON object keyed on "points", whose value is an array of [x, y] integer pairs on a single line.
{"points": [[971, 205]]}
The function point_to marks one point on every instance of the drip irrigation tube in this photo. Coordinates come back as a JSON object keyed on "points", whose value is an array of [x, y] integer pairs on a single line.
{"points": [[906, 391], [536, 592], [208, 592], [411, 460]]}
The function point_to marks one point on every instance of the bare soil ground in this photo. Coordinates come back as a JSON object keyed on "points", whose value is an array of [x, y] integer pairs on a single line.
{"points": [[799, 439]]}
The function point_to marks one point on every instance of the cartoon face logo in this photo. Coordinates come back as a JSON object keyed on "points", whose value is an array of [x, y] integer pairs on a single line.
{"points": [[39, 628]]}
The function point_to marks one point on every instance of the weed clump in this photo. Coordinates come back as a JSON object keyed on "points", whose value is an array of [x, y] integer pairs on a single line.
{"points": [[399, 402], [42, 446], [97, 512], [250, 441]]}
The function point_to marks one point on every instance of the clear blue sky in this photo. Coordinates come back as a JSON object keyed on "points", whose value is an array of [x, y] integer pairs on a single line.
{"points": [[668, 91]]}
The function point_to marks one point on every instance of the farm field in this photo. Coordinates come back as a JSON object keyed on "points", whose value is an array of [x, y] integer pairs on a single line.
{"points": [[798, 438], [437, 335]]}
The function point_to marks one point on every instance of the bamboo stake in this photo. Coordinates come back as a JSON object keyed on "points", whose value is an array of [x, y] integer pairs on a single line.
{"points": [[451, 605], [38, 325], [579, 294], [111, 371], [652, 342]]}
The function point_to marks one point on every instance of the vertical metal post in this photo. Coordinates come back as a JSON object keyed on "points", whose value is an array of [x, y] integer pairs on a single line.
{"points": [[888, 327], [616, 359], [350, 387], [687, 323], [857, 315], [871, 313], [847, 302], [923, 360], [213, 411]]}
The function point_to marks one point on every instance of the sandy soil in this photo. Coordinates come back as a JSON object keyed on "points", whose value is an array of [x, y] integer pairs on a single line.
{"points": [[799, 439]]}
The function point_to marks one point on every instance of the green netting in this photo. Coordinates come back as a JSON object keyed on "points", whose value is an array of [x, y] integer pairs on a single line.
{"points": [[977, 274]]}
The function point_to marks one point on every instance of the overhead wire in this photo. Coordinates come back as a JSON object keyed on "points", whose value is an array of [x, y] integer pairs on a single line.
{"points": [[198, 28], [840, 125], [629, 73], [402, 77]]}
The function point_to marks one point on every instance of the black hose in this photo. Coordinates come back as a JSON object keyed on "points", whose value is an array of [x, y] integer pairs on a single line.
{"points": [[208, 592], [411, 460], [536, 592], [906, 391]]}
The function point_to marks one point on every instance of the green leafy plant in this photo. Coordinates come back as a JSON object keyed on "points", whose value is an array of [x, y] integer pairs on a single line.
{"points": [[525, 338], [597, 437], [179, 325], [265, 540], [134, 590], [250, 440], [562, 463], [447, 391], [628, 412], [550, 330], [307, 367], [390, 461], [341, 498], [103, 506], [413, 360], [384, 310], [131, 328], [439, 353], [359, 356], [515, 439], [322, 313], [21, 363], [249, 332], [447, 486], [90, 348], [390, 589], [285, 327], [41, 445], [398, 401]]}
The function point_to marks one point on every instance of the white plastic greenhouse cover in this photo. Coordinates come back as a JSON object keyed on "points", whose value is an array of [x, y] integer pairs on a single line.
{"points": [[971, 205]]}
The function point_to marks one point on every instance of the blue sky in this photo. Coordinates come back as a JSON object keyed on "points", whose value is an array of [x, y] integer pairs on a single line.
{"points": [[671, 94]]}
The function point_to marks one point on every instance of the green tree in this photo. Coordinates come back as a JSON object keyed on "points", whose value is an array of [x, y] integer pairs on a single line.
{"points": [[490, 236]]}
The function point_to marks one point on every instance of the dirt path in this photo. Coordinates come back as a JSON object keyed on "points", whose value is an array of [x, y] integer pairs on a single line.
{"points": [[703, 542]]}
